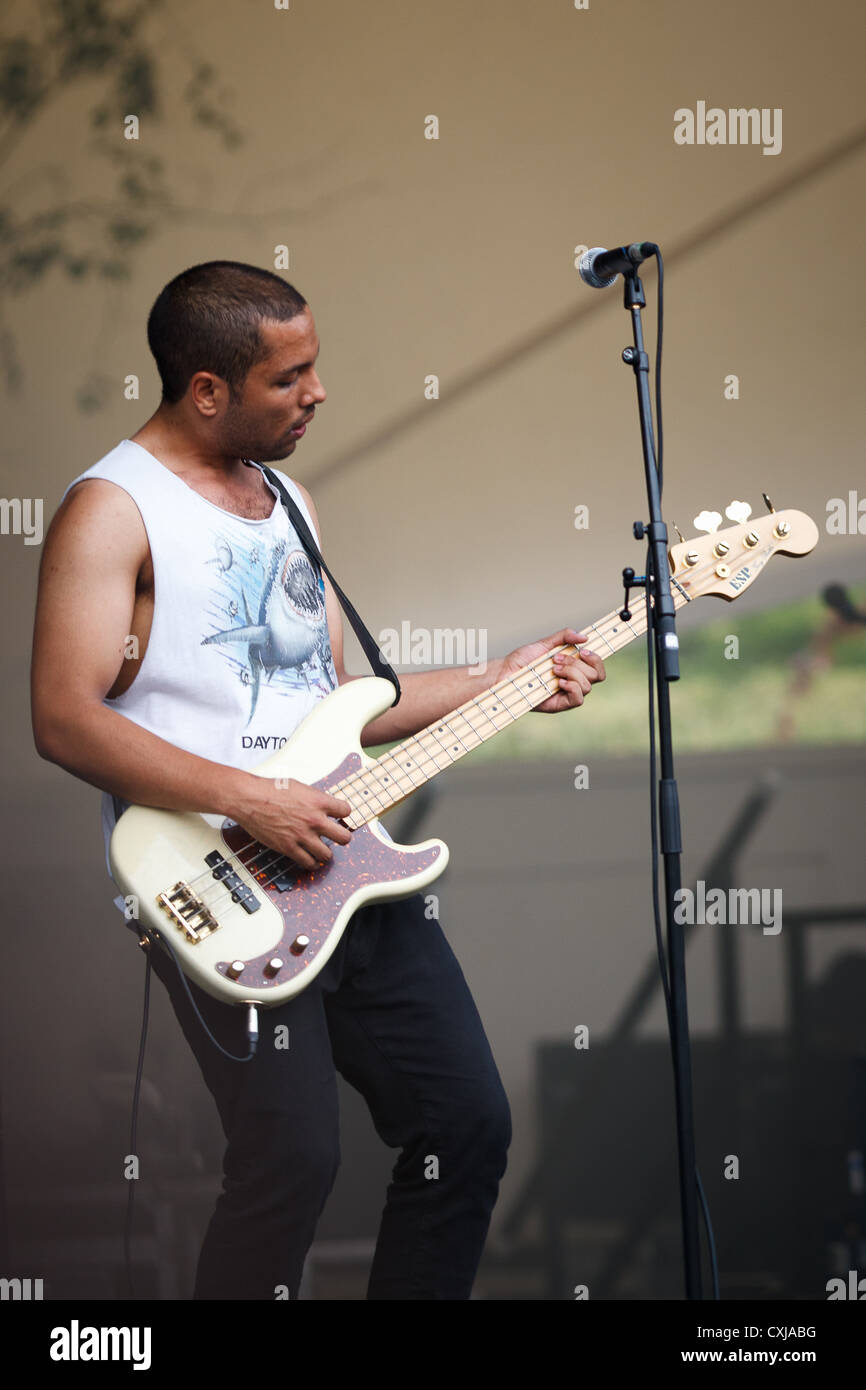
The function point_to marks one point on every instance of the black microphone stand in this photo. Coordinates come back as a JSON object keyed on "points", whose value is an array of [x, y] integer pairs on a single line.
{"points": [[661, 617]]}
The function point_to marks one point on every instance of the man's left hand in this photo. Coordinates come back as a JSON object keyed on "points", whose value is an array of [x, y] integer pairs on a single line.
{"points": [[577, 674]]}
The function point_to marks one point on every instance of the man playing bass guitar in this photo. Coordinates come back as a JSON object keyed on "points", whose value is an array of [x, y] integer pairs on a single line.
{"points": [[181, 629]]}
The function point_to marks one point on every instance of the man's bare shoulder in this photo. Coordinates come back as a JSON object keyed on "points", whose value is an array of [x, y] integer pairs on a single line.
{"points": [[304, 493], [96, 511], [311, 506]]}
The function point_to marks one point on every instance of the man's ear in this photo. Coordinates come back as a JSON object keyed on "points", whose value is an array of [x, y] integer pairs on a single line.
{"points": [[206, 391]]}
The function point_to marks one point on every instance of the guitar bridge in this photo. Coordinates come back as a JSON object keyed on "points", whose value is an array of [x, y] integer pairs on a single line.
{"points": [[188, 912]]}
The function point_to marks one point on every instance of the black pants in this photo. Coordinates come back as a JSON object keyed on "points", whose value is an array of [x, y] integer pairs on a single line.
{"points": [[392, 1013]]}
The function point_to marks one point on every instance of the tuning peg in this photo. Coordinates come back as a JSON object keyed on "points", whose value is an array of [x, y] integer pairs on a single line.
{"points": [[708, 521], [770, 507], [738, 511]]}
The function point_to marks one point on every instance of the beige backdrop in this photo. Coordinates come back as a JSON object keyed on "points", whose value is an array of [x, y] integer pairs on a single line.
{"points": [[455, 257]]}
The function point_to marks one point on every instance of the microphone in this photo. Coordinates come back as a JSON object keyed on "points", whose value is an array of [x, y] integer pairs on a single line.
{"points": [[599, 268]]}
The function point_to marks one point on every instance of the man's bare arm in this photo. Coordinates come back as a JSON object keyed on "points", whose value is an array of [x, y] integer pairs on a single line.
{"points": [[92, 556], [428, 695]]}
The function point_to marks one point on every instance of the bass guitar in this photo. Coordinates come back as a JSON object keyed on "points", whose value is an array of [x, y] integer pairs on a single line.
{"points": [[250, 926]]}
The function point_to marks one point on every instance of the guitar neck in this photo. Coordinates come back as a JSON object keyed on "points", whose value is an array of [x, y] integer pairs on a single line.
{"points": [[406, 767]]}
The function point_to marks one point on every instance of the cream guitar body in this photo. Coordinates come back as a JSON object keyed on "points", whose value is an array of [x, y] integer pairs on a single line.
{"points": [[245, 923]]}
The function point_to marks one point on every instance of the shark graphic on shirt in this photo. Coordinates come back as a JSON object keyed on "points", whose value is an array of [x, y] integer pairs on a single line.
{"points": [[289, 632]]}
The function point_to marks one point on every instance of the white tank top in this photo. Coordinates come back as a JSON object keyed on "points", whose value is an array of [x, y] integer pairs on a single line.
{"points": [[238, 652]]}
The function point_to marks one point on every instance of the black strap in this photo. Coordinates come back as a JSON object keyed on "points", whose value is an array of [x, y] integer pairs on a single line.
{"points": [[370, 646]]}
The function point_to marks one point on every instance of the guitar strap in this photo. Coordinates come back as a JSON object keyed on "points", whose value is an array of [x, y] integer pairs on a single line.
{"points": [[371, 648]]}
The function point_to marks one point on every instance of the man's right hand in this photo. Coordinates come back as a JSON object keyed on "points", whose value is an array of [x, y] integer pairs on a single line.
{"points": [[292, 818]]}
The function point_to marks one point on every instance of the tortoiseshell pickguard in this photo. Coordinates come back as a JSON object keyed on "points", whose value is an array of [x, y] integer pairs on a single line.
{"points": [[311, 905]]}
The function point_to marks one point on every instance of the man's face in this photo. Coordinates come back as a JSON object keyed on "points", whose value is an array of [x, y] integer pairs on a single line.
{"points": [[279, 395]]}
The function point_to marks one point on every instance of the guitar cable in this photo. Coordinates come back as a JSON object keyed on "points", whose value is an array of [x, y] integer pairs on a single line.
{"points": [[653, 770], [130, 1203], [152, 937], [252, 1016]]}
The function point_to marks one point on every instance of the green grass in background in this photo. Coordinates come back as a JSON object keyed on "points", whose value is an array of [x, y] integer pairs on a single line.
{"points": [[719, 703]]}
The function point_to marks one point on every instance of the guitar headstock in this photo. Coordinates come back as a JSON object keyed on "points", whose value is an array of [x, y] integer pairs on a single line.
{"points": [[727, 562]]}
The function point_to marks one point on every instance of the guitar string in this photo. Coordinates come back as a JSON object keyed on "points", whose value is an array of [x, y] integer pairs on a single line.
{"points": [[370, 771], [359, 777], [512, 687], [428, 760], [390, 760], [279, 861], [635, 626]]}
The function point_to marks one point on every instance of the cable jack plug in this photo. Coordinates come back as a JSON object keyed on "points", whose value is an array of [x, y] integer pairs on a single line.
{"points": [[252, 1026]]}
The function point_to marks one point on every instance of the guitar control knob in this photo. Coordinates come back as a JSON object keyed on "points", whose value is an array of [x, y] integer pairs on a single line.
{"points": [[273, 967], [300, 945], [236, 968]]}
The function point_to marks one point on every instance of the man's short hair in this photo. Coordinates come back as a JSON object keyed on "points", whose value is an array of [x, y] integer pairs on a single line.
{"points": [[209, 318]]}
